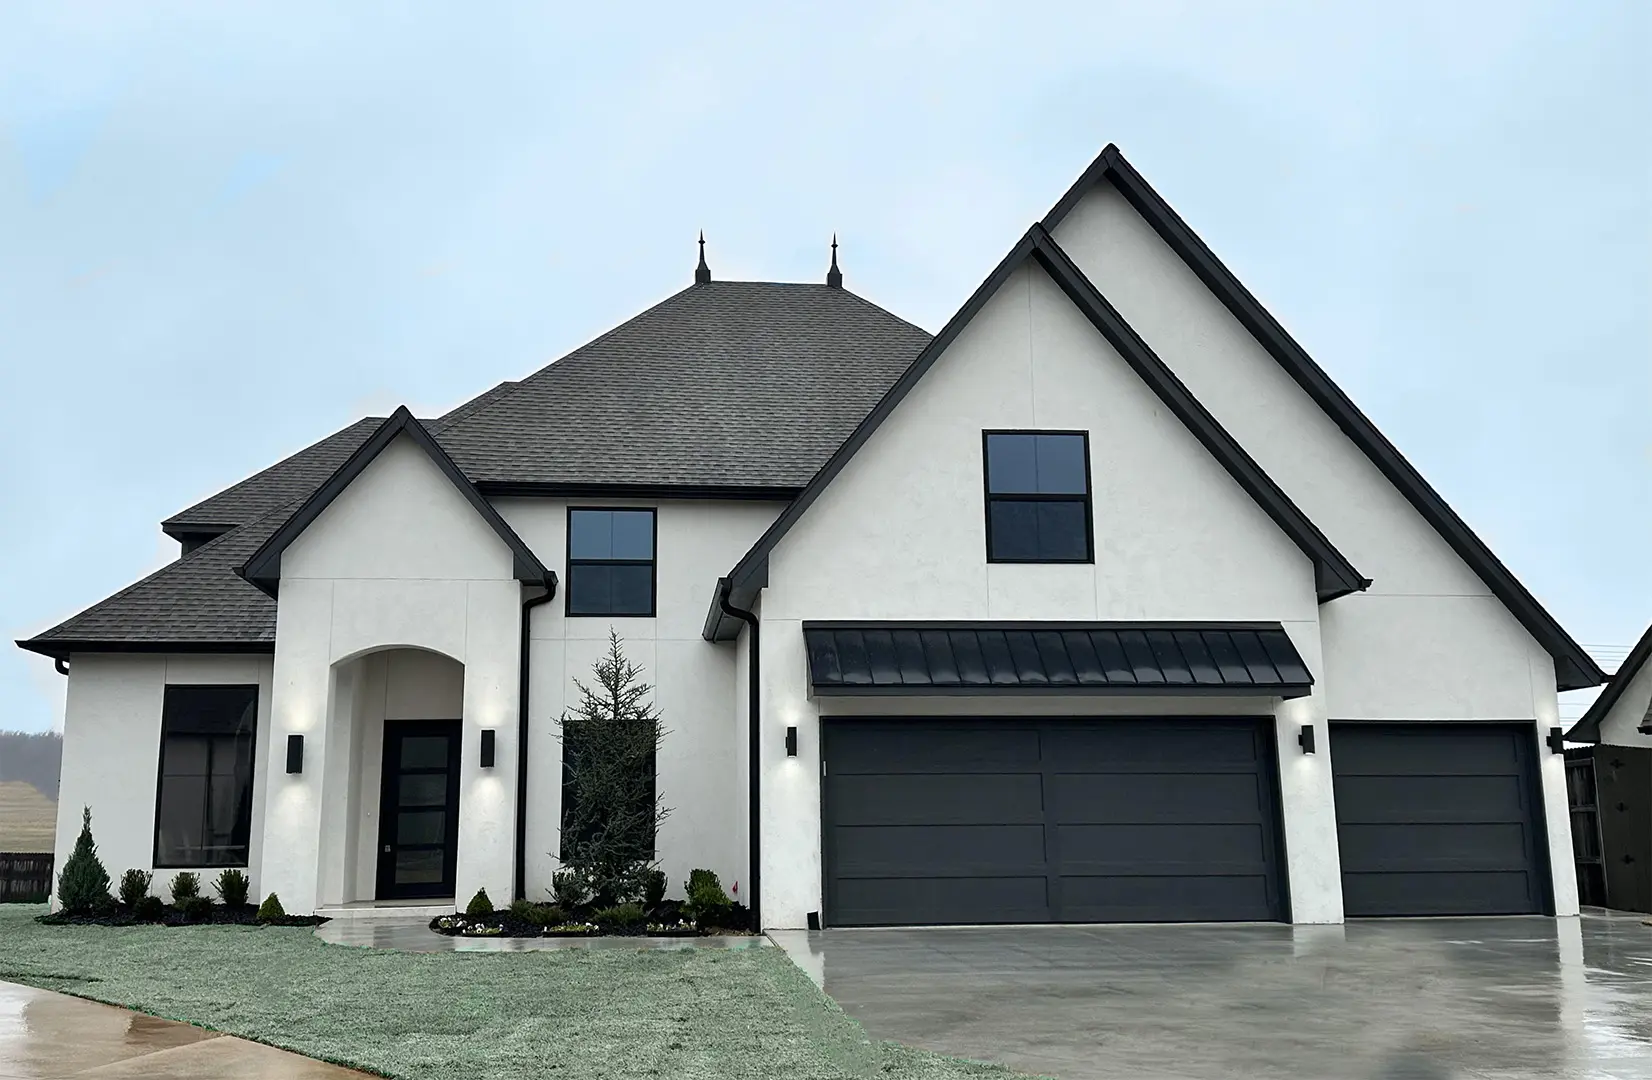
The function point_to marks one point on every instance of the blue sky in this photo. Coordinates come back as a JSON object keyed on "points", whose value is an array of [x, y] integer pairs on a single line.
{"points": [[227, 230]]}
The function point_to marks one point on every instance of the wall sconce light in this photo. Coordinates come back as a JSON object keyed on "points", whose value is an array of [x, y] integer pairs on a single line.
{"points": [[295, 753], [791, 742], [1305, 738], [1556, 740], [487, 748]]}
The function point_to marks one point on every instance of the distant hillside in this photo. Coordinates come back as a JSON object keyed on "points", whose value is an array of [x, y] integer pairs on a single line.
{"points": [[34, 757]]}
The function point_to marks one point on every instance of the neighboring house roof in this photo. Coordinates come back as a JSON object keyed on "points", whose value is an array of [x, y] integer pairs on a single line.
{"points": [[1574, 668], [194, 604], [1587, 728], [891, 658], [263, 567], [28, 819], [1334, 575], [727, 384]]}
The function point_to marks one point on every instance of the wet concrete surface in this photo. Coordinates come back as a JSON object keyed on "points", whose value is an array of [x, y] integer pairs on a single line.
{"points": [[47, 1036], [1429, 999]]}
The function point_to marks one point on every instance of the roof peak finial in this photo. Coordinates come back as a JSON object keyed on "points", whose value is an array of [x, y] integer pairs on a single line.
{"points": [[702, 273], [834, 276]]}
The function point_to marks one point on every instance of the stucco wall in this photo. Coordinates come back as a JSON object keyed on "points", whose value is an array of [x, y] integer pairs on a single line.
{"points": [[399, 559], [900, 534], [1621, 727], [1427, 640], [111, 751], [700, 768]]}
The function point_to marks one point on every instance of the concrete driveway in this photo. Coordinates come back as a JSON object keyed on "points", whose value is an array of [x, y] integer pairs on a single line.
{"points": [[1423, 999]]}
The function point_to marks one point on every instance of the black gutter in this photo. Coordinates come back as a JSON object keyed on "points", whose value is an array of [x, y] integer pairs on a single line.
{"points": [[520, 885], [754, 755]]}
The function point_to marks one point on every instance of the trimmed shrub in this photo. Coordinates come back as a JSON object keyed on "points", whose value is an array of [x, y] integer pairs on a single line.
{"points": [[134, 887], [653, 887], [569, 889], [194, 907], [83, 886], [479, 904], [185, 886], [707, 904], [232, 887], [549, 915], [271, 910], [621, 918], [150, 909]]}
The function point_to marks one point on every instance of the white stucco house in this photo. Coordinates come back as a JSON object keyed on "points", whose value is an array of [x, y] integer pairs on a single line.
{"points": [[1102, 604]]}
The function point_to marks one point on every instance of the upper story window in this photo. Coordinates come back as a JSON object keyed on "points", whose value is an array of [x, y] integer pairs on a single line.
{"points": [[203, 809], [1038, 496], [610, 562]]}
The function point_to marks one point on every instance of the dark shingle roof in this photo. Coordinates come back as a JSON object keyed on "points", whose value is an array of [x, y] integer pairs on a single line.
{"points": [[744, 384], [197, 600], [287, 480], [730, 383]]}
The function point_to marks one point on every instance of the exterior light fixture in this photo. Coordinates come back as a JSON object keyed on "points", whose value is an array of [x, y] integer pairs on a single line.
{"points": [[1305, 738], [1556, 740], [487, 748], [791, 742], [295, 753]]}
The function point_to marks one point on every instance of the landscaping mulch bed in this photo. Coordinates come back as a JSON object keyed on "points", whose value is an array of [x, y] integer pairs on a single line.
{"points": [[664, 920], [217, 915]]}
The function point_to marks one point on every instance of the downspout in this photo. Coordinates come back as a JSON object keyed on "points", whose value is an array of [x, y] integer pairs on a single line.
{"points": [[61, 665], [754, 802], [520, 885]]}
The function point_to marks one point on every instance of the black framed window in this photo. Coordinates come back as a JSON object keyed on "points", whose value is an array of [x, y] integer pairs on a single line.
{"points": [[610, 562], [1038, 496], [203, 801]]}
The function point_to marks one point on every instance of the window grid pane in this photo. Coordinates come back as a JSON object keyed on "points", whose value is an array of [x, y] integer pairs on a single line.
{"points": [[611, 562], [204, 806], [1038, 497]]}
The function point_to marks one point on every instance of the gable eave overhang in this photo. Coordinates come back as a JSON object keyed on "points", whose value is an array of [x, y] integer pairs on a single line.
{"points": [[61, 648], [1334, 575], [263, 567], [1587, 728], [1574, 668]]}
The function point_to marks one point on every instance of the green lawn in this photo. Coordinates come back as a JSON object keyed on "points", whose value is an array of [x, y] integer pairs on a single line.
{"points": [[567, 1013]]}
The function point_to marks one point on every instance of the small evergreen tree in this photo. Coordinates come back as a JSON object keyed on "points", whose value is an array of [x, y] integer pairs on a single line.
{"points": [[612, 812], [270, 910], [83, 886]]}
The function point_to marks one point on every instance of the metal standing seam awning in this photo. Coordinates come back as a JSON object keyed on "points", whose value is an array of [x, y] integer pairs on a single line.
{"points": [[888, 658]]}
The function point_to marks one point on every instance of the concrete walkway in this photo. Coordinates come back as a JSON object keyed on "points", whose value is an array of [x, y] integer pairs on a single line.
{"points": [[1418, 999], [47, 1036]]}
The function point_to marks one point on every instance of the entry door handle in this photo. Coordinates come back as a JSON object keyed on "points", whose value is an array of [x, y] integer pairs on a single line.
{"points": [[387, 849]]}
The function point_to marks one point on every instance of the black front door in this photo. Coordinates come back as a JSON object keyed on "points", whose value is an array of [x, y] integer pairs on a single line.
{"points": [[419, 809]]}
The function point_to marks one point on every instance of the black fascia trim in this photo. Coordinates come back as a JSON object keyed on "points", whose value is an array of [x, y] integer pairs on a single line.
{"points": [[1272, 690], [753, 566], [1334, 575], [1574, 668], [568, 561], [263, 568], [183, 530], [554, 489], [1587, 729], [61, 648], [987, 497]]}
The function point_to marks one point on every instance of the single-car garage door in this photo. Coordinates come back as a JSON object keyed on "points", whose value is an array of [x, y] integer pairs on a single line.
{"points": [[1021, 820], [1438, 819]]}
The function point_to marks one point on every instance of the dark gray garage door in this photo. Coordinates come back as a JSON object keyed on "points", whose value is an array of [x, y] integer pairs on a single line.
{"points": [[1439, 819], [1021, 820]]}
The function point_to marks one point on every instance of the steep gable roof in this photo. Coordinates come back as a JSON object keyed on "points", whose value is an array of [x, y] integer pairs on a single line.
{"points": [[1334, 575], [1587, 728], [1574, 668], [263, 567]]}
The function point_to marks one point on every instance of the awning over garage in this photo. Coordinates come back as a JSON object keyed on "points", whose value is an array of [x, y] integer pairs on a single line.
{"points": [[886, 658]]}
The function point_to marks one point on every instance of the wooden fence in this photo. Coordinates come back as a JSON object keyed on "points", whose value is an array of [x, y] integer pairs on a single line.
{"points": [[25, 877]]}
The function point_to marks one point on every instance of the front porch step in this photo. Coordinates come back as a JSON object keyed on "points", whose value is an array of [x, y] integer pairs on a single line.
{"points": [[366, 912]]}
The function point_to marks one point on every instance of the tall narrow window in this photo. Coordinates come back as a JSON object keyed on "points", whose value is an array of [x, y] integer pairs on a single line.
{"points": [[203, 809], [1038, 496], [610, 562]]}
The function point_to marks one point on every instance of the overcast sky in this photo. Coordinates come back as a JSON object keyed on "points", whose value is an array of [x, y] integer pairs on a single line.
{"points": [[227, 230]]}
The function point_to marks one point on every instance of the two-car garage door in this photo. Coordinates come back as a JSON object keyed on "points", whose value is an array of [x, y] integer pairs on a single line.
{"points": [[1023, 820]]}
